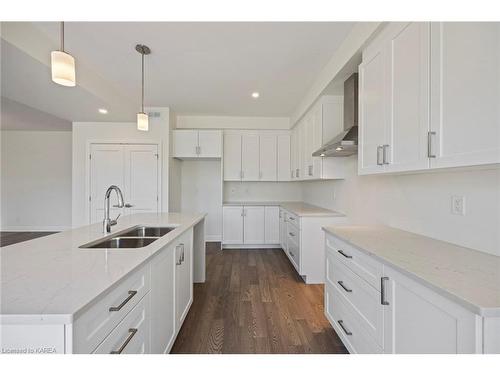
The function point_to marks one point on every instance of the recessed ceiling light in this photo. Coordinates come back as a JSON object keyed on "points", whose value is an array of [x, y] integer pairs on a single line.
{"points": [[103, 111], [255, 95]]}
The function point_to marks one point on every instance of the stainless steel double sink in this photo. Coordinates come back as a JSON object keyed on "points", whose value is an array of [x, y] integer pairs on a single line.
{"points": [[131, 238]]}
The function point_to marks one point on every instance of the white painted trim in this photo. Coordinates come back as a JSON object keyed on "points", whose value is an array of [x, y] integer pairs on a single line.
{"points": [[36, 228], [213, 238]]}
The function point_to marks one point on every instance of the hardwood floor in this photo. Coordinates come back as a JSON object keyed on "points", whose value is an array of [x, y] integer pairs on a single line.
{"points": [[253, 301], [11, 238]]}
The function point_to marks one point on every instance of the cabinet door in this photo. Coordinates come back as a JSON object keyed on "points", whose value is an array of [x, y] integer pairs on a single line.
{"points": [[418, 321], [232, 224], [141, 178], [210, 143], [272, 225], [307, 163], [268, 158], [232, 157], [465, 93], [283, 233], [293, 154], [107, 166], [372, 104], [185, 143], [250, 161], [162, 301], [183, 277], [284, 166], [408, 94], [254, 224], [316, 139], [301, 142]]}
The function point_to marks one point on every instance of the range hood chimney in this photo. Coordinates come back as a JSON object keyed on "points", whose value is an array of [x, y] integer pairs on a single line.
{"points": [[346, 143]]}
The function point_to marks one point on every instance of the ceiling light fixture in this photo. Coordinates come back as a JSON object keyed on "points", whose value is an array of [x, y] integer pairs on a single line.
{"points": [[62, 65], [255, 95], [103, 111], [142, 117]]}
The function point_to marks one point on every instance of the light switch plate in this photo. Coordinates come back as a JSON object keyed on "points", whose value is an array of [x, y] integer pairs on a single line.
{"points": [[458, 205]]}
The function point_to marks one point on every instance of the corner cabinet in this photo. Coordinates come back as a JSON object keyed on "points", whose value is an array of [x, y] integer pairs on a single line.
{"points": [[376, 309], [419, 102]]}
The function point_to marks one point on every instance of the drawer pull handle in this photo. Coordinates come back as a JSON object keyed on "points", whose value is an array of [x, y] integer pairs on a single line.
{"points": [[291, 218], [289, 252], [291, 234], [131, 294], [344, 254], [341, 283], [341, 324], [132, 332], [382, 290]]}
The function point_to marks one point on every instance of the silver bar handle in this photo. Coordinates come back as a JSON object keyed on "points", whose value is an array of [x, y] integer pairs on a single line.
{"points": [[131, 294], [341, 283], [344, 254], [132, 332], [178, 262], [378, 155], [341, 324], [384, 154], [291, 234], [182, 252], [429, 145], [382, 290]]}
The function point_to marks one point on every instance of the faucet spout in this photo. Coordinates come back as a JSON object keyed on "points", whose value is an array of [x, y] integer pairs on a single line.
{"points": [[107, 222]]}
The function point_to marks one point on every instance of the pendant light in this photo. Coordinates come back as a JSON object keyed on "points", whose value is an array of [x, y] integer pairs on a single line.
{"points": [[62, 65], [142, 117]]}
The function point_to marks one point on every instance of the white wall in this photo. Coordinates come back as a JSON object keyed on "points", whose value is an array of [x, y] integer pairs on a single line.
{"points": [[86, 132], [231, 122], [262, 191], [36, 180], [201, 192], [419, 203]]}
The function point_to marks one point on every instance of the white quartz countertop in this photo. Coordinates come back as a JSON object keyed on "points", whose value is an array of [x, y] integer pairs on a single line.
{"points": [[52, 279], [297, 208], [468, 277]]}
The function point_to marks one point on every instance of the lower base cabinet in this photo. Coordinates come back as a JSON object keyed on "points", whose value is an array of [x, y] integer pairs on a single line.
{"points": [[399, 315]]}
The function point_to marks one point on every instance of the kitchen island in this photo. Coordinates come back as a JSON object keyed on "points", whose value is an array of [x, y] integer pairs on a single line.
{"points": [[59, 297]]}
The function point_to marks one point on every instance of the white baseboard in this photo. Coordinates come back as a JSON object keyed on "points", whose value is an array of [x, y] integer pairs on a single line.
{"points": [[213, 237], [22, 228], [249, 247]]}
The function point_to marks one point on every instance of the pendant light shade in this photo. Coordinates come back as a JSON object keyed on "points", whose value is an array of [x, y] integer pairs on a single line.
{"points": [[142, 121], [142, 117], [63, 65]]}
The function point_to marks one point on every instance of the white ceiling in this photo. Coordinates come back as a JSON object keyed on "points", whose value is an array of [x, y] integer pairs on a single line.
{"points": [[195, 68]]}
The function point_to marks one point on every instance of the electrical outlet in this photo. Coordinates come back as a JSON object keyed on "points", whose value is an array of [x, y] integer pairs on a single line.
{"points": [[458, 205]]}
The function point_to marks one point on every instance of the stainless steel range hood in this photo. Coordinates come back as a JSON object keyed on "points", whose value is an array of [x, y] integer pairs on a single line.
{"points": [[346, 143]]}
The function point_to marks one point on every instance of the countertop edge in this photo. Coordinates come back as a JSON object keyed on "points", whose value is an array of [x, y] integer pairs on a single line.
{"points": [[329, 213]]}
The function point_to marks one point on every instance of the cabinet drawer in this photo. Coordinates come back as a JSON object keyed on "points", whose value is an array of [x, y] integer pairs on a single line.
{"points": [[359, 295], [131, 336], [293, 253], [346, 324], [361, 264], [293, 219], [293, 232], [98, 321]]}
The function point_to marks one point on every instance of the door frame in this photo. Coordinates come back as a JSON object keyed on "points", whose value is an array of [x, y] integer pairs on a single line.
{"points": [[131, 141]]}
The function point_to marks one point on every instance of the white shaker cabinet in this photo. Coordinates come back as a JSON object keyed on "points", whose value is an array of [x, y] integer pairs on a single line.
{"points": [[465, 93], [254, 225], [283, 165], [193, 143], [232, 157], [232, 225], [272, 225], [250, 161], [183, 277], [268, 158]]}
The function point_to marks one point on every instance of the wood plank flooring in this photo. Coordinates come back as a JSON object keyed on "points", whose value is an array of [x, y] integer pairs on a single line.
{"points": [[11, 238], [253, 301]]}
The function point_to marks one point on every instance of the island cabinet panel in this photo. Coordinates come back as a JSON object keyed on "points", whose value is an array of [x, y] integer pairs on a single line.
{"points": [[95, 323], [183, 277], [162, 295]]}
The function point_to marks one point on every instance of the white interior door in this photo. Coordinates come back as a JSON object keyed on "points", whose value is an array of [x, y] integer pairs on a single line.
{"points": [[210, 143], [250, 161], [254, 225], [268, 158], [141, 178], [107, 167], [232, 157]]}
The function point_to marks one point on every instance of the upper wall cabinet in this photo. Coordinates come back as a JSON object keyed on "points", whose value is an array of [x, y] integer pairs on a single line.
{"points": [[256, 156], [318, 126], [429, 97], [189, 144]]}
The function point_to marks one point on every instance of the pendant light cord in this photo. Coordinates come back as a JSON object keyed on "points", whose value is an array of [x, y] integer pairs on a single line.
{"points": [[142, 98], [62, 36]]}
